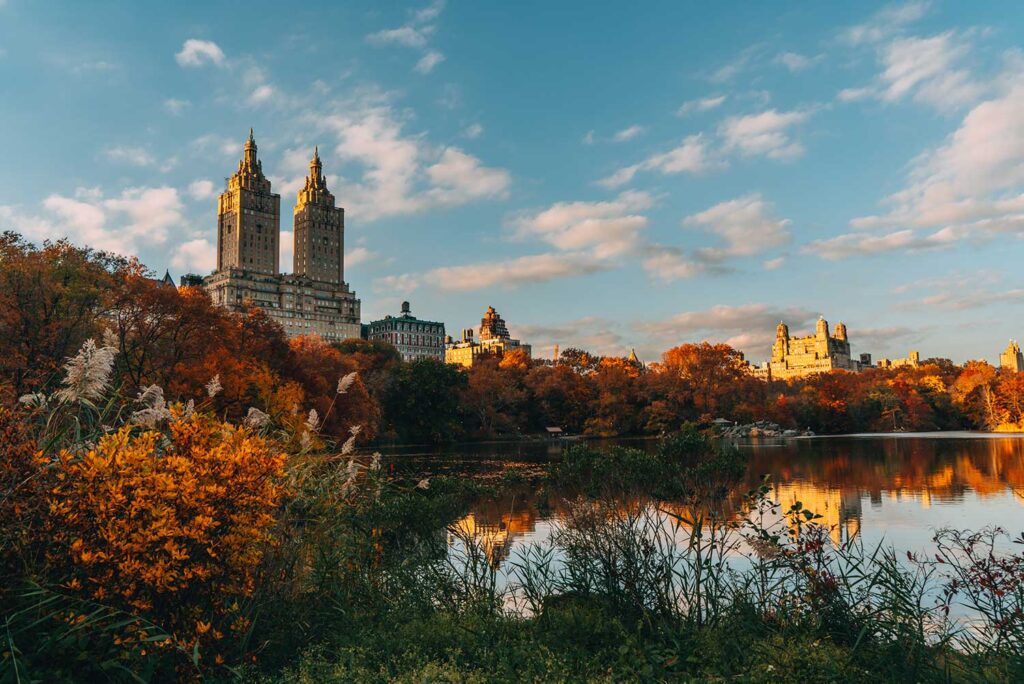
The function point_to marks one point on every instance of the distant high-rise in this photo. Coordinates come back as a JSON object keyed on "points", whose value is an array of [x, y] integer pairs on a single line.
{"points": [[319, 229], [249, 218], [1011, 359], [315, 299]]}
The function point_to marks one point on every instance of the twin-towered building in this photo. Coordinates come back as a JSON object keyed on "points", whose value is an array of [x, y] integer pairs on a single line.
{"points": [[314, 299], [822, 352]]}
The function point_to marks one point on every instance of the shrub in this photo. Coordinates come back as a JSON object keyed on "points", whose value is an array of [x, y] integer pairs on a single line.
{"points": [[170, 526]]}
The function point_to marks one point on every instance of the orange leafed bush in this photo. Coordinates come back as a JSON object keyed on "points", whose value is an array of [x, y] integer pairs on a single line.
{"points": [[174, 528]]}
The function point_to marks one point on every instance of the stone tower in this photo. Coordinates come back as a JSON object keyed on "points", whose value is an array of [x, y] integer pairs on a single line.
{"points": [[821, 329], [249, 219], [319, 229], [492, 326], [1012, 359]]}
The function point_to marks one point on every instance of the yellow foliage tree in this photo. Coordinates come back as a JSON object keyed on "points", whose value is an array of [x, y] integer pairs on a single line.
{"points": [[170, 526]]}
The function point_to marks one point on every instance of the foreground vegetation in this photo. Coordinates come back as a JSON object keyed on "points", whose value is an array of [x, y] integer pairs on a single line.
{"points": [[55, 297], [142, 540]]}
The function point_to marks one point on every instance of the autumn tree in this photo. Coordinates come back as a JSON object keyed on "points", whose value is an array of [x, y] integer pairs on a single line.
{"points": [[319, 368], [52, 299], [710, 373]]}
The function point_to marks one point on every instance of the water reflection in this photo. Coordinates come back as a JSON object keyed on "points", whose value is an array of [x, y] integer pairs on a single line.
{"points": [[896, 489]]}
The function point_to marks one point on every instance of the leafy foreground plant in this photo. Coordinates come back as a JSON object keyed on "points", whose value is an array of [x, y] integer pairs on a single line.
{"points": [[143, 541]]}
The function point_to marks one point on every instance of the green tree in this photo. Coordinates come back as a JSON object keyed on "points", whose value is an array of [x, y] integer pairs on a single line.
{"points": [[421, 401]]}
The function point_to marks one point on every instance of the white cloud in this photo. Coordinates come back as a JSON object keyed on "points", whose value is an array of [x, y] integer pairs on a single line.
{"points": [[606, 228], [855, 94], [926, 69], [703, 104], [960, 292], [407, 36], [588, 139], [860, 244], [473, 131], [692, 156], [968, 187], [201, 189], [730, 70], [359, 255], [175, 106], [429, 61], [774, 264], [668, 264], [459, 178], [196, 53], [628, 133], [286, 251], [749, 327], [795, 61], [745, 224], [885, 22], [596, 335], [195, 256], [511, 273], [430, 12], [414, 34], [403, 174], [767, 133], [136, 217], [126, 154], [262, 93], [218, 146]]}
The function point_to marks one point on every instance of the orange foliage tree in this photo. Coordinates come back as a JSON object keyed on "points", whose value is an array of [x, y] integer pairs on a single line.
{"points": [[172, 526]]}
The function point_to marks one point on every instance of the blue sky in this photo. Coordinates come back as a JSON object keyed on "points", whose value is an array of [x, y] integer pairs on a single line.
{"points": [[605, 176]]}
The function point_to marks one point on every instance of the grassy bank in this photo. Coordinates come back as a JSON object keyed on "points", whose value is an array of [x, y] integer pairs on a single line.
{"points": [[148, 541]]}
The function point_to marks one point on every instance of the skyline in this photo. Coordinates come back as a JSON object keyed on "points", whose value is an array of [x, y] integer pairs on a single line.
{"points": [[530, 158]]}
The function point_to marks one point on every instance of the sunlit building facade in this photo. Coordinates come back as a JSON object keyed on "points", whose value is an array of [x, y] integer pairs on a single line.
{"points": [[414, 338], [494, 340], [315, 299]]}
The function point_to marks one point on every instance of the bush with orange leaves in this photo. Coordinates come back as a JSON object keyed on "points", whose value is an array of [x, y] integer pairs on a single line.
{"points": [[170, 526]]}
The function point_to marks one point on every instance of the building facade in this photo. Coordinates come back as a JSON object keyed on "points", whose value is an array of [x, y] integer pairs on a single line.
{"points": [[315, 299], [1011, 359], [913, 360], [494, 340], [798, 357], [414, 338]]}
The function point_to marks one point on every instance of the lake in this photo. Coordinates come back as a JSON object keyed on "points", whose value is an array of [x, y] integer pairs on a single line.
{"points": [[896, 488]]}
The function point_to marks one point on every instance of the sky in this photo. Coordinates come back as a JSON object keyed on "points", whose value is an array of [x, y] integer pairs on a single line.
{"points": [[607, 176]]}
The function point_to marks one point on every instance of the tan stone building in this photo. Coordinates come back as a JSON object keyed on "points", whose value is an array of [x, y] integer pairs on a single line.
{"points": [[797, 357], [913, 360], [315, 299], [1011, 359], [494, 341]]}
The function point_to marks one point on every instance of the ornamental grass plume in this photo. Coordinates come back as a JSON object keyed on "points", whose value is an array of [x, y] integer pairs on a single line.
{"points": [[155, 411], [313, 421], [87, 374], [213, 388], [345, 382], [256, 419]]}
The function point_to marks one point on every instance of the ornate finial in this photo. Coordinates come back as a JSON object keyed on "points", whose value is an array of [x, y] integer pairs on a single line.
{"points": [[316, 151], [251, 139]]}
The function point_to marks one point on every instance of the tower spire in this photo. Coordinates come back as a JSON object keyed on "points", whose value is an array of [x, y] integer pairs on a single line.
{"points": [[249, 158]]}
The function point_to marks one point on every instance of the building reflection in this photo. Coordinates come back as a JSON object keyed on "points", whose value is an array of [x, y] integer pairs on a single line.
{"points": [[834, 478]]}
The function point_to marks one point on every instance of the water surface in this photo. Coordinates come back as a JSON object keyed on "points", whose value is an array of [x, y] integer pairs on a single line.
{"points": [[893, 488]]}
